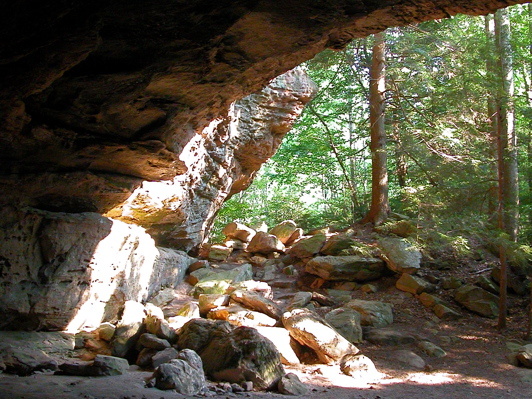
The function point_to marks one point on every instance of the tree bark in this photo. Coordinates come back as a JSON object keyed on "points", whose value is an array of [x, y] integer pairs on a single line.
{"points": [[507, 153], [507, 135], [380, 208]]}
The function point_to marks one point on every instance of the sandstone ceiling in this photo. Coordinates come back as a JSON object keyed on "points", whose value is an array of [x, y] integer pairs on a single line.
{"points": [[97, 97]]}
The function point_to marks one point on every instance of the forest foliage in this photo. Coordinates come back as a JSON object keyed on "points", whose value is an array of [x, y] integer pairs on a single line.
{"points": [[441, 164]]}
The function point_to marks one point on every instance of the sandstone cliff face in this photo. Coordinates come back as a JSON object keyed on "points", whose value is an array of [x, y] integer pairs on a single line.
{"points": [[219, 162], [67, 271]]}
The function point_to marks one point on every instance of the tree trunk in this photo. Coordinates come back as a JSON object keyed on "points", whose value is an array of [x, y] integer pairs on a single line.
{"points": [[507, 152], [493, 106], [380, 208], [506, 126]]}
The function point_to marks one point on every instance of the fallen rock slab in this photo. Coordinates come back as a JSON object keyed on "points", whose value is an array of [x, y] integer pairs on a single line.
{"points": [[401, 255], [25, 361], [477, 300], [255, 301], [345, 268], [310, 330]]}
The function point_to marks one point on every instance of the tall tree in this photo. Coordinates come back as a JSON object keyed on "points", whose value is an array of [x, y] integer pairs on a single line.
{"points": [[379, 209], [505, 124], [507, 152]]}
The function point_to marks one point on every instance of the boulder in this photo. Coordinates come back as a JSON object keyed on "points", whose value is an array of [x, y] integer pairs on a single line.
{"points": [[282, 341], [190, 310], [400, 255], [109, 365], [517, 284], [336, 244], [431, 349], [212, 301], [487, 284], [296, 235], [240, 316], [160, 327], [429, 300], [144, 359], [242, 355], [237, 274], [197, 333], [180, 376], [477, 300], [445, 313], [25, 361], [373, 313], [413, 284], [106, 331], [360, 367], [233, 243], [300, 300], [163, 297], [260, 287], [129, 328], [264, 243], [102, 366], [148, 340], [239, 231], [284, 230], [524, 356], [255, 301], [219, 253], [347, 322], [210, 287], [291, 385], [164, 356], [310, 330], [307, 247], [451, 283], [345, 268]]}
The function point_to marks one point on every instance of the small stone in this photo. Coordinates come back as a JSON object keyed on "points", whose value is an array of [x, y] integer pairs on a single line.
{"points": [[360, 367], [291, 385], [451, 283], [164, 356], [409, 358], [247, 386], [431, 349], [524, 356], [219, 253], [148, 340], [413, 284], [445, 313], [106, 331], [284, 230], [368, 288], [109, 365]]}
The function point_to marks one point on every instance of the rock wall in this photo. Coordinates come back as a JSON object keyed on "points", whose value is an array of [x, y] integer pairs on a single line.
{"points": [[219, 162], [67, 271]]}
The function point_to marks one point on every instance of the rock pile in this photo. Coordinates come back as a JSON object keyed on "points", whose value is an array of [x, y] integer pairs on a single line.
{"points": [[263, 300]]}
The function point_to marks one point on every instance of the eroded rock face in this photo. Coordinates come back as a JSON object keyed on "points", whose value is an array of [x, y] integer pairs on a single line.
{"points": [[72, 270]]}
